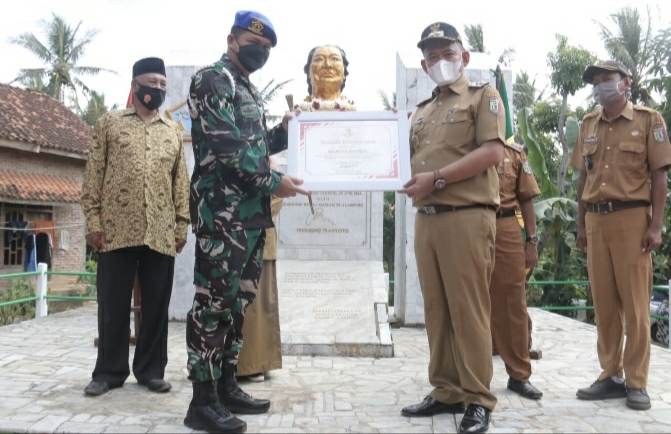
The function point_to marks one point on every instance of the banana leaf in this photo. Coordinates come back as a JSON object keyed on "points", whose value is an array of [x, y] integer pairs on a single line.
{"points": [[571, 132], [536, 158]]}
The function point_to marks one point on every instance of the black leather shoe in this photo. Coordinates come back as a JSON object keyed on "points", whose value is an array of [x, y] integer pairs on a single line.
{"points": [[476, 420], [234, 398], [156, 385], [603, 389], [97, 388], [524, 388], [430, 407]]}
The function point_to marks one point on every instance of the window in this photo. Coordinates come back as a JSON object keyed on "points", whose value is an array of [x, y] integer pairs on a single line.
{"points": [[12, 244]]}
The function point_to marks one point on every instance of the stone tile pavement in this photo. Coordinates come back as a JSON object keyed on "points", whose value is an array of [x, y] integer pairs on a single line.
{"points": [[46, 363]]}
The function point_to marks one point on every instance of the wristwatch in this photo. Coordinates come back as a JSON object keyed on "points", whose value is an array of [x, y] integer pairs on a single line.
{"points": [[532, 239], [438, 180]]}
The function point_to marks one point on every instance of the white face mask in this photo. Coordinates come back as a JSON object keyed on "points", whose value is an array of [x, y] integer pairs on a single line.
{"points": [[444, 73]]}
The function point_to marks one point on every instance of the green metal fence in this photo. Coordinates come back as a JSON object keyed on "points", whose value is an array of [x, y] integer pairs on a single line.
{"points": [[662, 288]]}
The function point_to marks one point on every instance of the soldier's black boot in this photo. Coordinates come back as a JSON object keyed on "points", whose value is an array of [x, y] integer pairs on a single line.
{"points": [[234, 398], [207, 414]]}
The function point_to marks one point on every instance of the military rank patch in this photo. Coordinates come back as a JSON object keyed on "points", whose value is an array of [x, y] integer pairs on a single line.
{"points": [[527, 167], [494, 106], [659, 133]]}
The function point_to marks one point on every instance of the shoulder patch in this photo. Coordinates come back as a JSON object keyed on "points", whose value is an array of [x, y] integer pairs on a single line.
{"points": [[526, 167], [659, 133], [222, 72], [515, 146]]}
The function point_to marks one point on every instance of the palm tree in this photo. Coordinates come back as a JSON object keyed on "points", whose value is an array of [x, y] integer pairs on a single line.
{"points": [[61, 52], [268, 93], [386, 102], [632, 42], [525, 93], [475, 38], [96, 108], [476, 44]]}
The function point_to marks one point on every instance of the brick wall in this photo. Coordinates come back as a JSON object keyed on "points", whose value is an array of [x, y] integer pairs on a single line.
{"points": [[22, 161], [73, 258], [65, 214]]}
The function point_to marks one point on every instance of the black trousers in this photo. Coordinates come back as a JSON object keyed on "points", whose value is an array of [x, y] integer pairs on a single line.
{"points": [[116, 274]]}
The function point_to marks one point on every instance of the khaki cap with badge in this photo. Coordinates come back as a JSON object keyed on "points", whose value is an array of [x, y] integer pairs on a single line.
{"points": [[604, 66], [438, 31]]}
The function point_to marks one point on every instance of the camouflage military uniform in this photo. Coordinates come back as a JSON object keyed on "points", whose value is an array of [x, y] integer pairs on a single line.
{"points": [[230, 210]]}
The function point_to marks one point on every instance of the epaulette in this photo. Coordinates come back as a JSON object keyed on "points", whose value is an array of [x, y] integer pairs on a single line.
{"points": [[224, 73], [478, 84], [515, 146], [426, 101], [644, 109], [591, 114]]}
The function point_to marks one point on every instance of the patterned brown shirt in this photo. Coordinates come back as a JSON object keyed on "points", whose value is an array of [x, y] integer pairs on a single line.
{"points": [[136, 184]]}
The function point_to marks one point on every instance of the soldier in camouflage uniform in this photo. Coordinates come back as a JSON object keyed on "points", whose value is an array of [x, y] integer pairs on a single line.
{"points": [[231, 187]]}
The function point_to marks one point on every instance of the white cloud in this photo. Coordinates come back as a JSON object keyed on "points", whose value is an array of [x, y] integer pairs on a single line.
{"points": [[371, 33]]}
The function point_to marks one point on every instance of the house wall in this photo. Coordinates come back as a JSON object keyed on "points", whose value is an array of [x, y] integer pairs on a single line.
{"points": [[66, 214]]}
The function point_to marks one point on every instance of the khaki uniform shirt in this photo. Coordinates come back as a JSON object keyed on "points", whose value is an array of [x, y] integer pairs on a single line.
{"points": [[456, 120], [623, 153], [136, 185], [270, 248], [516, 180]]}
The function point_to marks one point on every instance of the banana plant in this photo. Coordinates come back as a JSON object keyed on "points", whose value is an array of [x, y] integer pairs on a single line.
{"points": [[535, 155]]}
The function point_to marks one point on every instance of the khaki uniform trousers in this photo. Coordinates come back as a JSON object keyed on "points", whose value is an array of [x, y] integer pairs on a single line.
{"points": [[621, 280], [262, 348], [510, 322], [455, 259]]}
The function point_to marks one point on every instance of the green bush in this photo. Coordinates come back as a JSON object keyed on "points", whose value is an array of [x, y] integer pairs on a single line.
{"points": [[19, 288], [90, 266]]}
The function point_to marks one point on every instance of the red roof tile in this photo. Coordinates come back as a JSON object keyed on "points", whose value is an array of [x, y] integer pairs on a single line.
{"points": [[35, 117], [38, 187]]}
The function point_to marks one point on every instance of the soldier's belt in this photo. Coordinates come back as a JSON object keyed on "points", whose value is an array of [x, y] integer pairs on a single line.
{"points": [[437, 209], [607, 207], [505, 214]]}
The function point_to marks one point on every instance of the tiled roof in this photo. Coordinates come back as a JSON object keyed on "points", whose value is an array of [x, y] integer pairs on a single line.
{"points": [[38, 187], [34, 117]]}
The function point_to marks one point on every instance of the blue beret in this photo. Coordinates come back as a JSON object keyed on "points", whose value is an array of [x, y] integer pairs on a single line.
{"points": [[256, 23]]}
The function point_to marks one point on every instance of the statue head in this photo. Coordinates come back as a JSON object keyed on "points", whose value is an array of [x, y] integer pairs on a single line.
{"points": [[326, 69]]}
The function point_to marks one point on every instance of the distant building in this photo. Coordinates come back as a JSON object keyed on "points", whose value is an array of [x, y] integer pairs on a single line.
{"points": [[43, 152]]}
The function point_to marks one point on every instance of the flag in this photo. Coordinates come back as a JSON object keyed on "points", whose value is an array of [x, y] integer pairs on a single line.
{"points": [[130, 99], [501, 87]]}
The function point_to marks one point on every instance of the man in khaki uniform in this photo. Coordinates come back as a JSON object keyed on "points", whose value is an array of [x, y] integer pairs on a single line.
{"points": [[457, 140], [623, 154], [510, 323]]}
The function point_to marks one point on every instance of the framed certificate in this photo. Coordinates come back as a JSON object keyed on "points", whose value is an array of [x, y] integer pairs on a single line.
{"points": [[350, 151]]}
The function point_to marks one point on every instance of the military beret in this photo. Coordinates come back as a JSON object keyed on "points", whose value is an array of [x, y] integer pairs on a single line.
{"points": [[256, 23], [604, 66], [149, 65], [442, 31]]}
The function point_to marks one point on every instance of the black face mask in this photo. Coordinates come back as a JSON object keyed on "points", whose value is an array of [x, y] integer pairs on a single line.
{"points": [[252, 57], [150, 97]]}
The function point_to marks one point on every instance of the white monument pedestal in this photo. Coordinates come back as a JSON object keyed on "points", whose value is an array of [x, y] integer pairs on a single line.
{"points": [[330, 308]]}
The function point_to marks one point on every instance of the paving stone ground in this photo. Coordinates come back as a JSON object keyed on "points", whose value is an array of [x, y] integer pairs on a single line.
{"points": [[46, 363]]}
